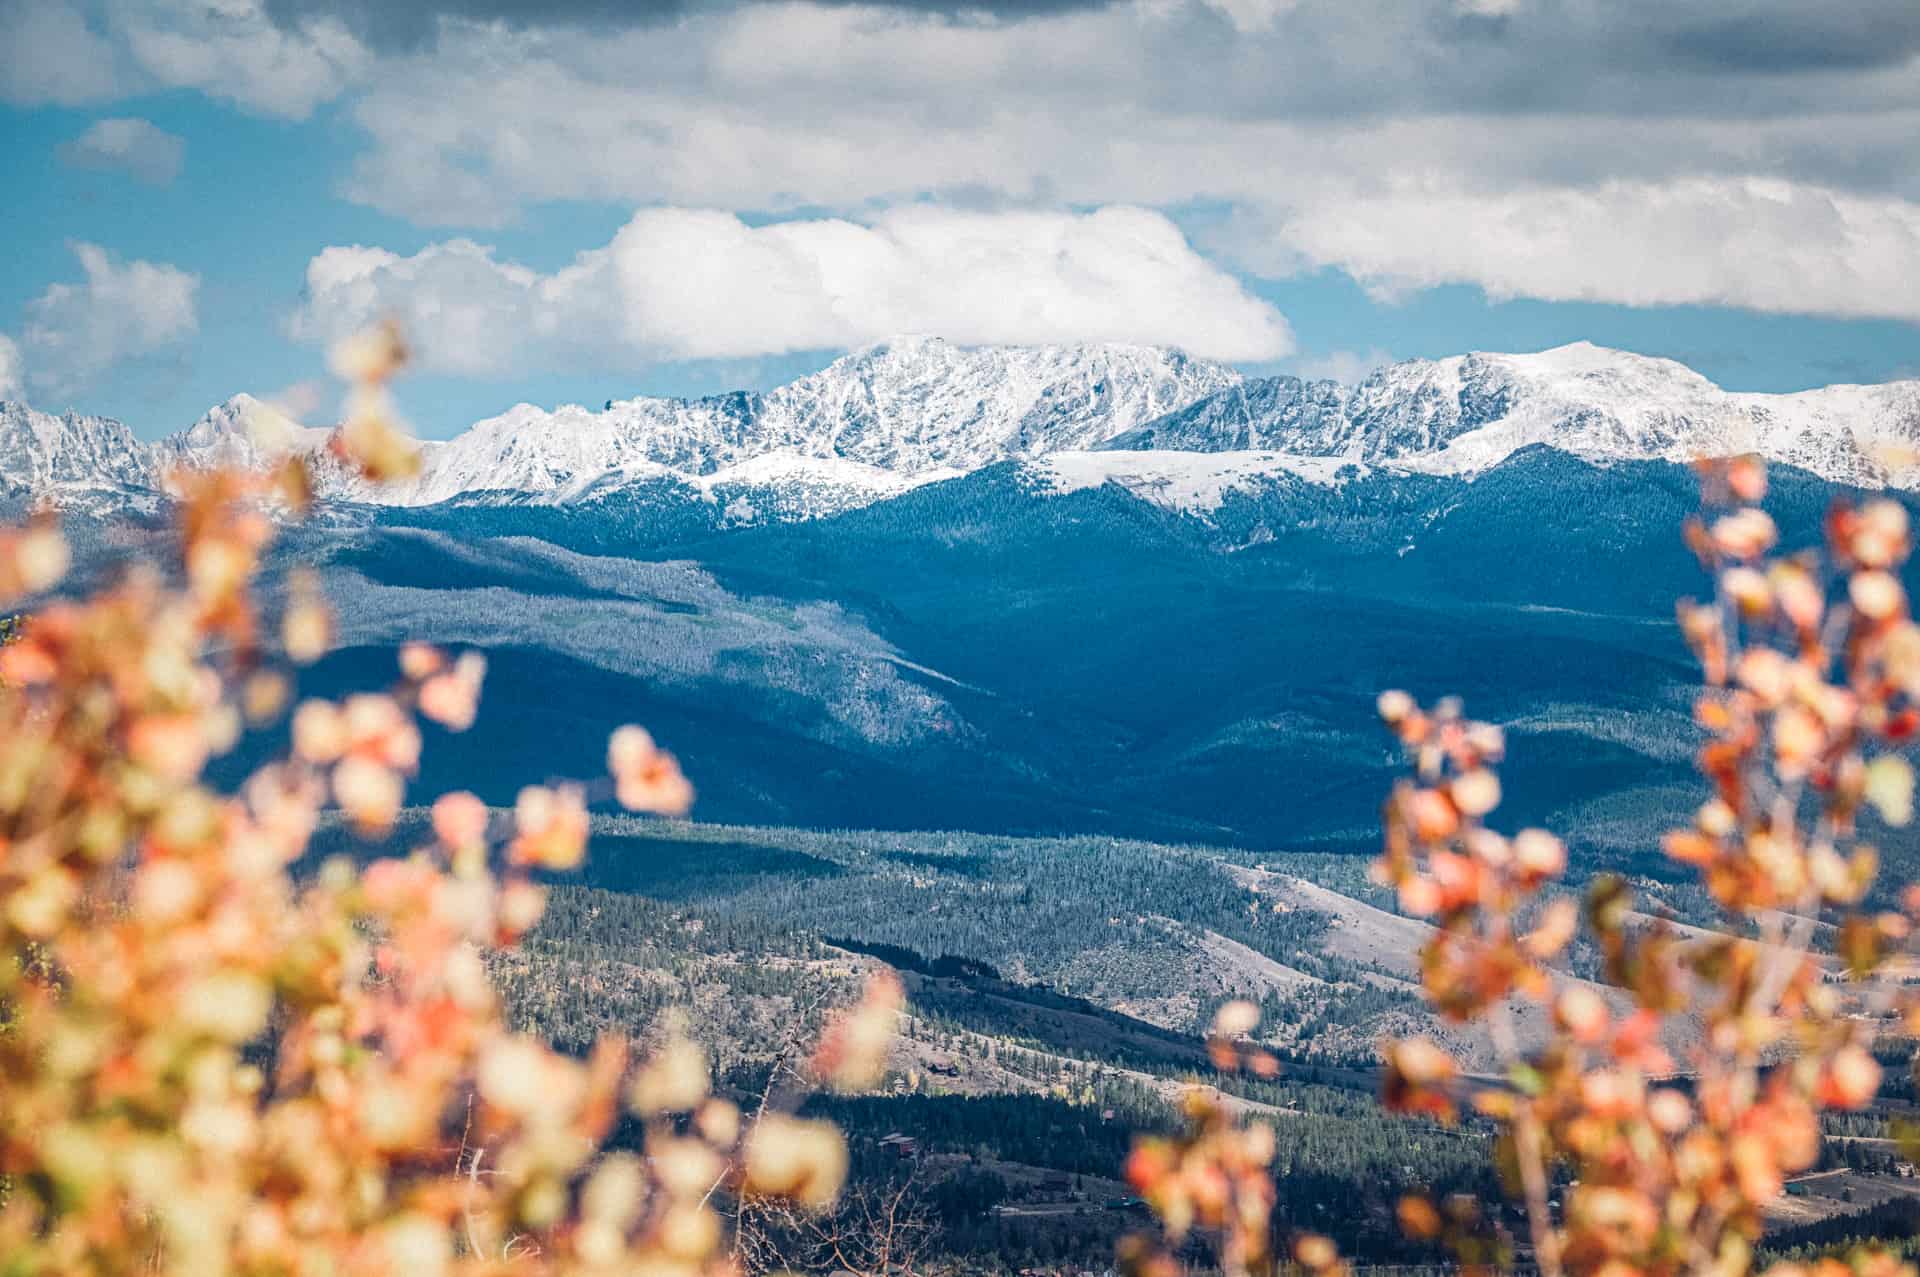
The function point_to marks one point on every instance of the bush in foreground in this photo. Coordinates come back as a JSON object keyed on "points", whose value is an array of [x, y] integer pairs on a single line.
{"points": [[209, 1066], [1665, 1107]]}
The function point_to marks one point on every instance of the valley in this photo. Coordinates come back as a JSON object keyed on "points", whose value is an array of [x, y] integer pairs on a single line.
{"points": [[1050, 1016], [1057, 990]]}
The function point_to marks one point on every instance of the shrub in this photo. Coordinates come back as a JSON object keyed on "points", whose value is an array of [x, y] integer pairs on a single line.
{"points": [[1649, 1119], [209, 1066]]}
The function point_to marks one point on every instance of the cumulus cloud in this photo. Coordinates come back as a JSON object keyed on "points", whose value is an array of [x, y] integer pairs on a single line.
{"points": [[133, 146], [122, 310], [1762, 245], [10, 378], [1163, 103], [692, 284], [233, 50], [1744, 35], [1802, 39]]}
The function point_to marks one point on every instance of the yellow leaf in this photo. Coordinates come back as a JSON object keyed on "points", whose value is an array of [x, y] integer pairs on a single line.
{"points": [[1890, 789]]}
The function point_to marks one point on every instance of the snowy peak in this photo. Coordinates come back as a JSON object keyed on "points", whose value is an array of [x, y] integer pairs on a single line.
{"points": [[530, 449], [919, 404], [1587, 398], [1617, 370], [60, 457], [243, 431], [913, 407], [1468, 412], [40, 452]]}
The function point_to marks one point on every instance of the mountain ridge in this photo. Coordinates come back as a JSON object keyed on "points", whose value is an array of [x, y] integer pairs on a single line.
{"points": [[920, 408], [879, 421], [1464, 413]]}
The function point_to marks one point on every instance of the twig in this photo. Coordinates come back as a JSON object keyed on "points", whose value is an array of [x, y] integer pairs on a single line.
{"points": [[1529, 1152]]}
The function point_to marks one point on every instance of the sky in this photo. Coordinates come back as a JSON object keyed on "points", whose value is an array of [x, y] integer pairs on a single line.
{"points": [[578, 200]]}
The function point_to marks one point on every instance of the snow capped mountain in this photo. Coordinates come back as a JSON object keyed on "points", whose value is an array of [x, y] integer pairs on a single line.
{"points": [[98, 458], [788, 486], [41, 452], [1192, 482], [243, 432], [1463, 414], [923, 404], [1174, 430], [774, 487], [911, 408]]}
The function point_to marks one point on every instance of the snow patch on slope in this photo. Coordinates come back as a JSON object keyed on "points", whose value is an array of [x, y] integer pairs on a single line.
{"points": [[1192, 482], [789, 486]]}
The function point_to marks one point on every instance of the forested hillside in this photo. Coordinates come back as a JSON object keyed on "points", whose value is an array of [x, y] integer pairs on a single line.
{"points": [[1056, 993]]}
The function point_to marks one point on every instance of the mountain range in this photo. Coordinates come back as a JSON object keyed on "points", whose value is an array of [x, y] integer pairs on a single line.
{"points": [[880, 421], [1102, 589]]}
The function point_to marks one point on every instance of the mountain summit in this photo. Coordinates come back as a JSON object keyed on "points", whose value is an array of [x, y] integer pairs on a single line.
{"points": [[915, 407], [243, 431], [1462, 414]]}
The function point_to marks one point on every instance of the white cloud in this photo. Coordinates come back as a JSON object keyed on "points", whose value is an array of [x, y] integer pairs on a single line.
{"points": [[10, 379], [1756, 153], [135, 146], [789, 105], [1575, 152], [71, 54], [232, 49], [1762, 245], [690, 284], [122, 310], [51, 55]]}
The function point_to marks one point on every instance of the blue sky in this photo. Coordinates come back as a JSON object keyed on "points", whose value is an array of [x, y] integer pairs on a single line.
{"points": [[568, 206]]}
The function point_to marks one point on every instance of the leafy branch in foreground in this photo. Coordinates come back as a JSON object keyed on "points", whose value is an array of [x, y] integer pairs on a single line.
{"points": [[1644, 1122], [209, 1066]]}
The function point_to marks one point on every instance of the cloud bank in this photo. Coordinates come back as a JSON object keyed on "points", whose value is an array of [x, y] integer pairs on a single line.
{"points": [[1758, 154], [680, 284], [1747, 153]]}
